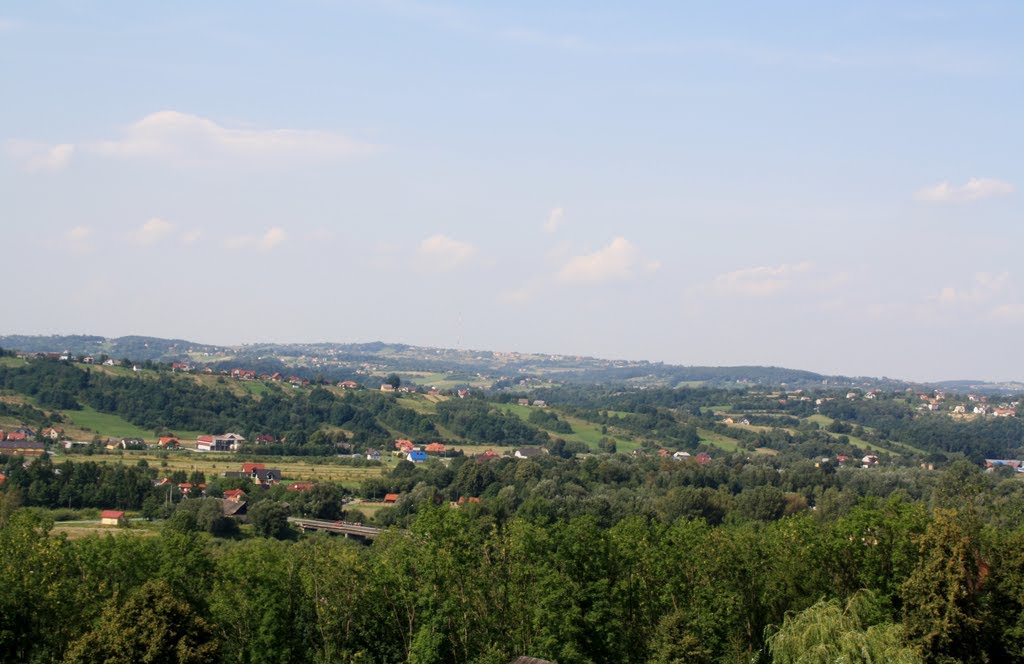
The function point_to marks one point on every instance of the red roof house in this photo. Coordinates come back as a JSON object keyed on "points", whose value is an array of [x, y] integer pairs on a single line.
{"points": [[111, 517]]}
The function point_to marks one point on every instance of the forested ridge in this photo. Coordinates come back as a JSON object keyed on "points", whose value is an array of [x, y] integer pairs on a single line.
{"points": [[933, 581], [782, 545]]}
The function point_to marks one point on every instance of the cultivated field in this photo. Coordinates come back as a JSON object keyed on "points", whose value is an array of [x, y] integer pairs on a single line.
{"points": [[213, 465]]}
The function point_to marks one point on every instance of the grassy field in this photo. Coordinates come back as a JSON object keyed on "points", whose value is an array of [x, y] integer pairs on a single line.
{"points": [[77, 530], [718, 440], [584, 432], [214, 465], [418, 403], [12, 362], [891, 446], [84, 424]]}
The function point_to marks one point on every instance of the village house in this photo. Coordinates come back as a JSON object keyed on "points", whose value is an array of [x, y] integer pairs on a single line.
{"points": [[391, 498], [528, 452], [112, 518], [348, 384], [227, 442], [258, 473], [22, 447], [372, 455], [133, 444], [487, 456], [416, 456], [52, 433], [387, 387], [435, 448], [235, 495], [523, 402], [300, 486]]}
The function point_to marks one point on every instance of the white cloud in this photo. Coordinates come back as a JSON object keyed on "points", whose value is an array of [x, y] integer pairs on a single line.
{"points": [[759, 281], [190, 139], [79, 239], [555, 218], [153, 231], [41, 158], [182, 136], [444, 253], [619, 260], [987, 285], [974, 189], [1009, 311], [191, 237], [272, 238]]}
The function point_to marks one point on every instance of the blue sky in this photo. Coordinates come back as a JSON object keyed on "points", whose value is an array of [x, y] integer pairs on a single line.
{"points": [[826, 186]]}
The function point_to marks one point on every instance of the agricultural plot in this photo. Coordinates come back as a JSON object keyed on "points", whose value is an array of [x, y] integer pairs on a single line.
{"points": [[584, 432], [85, 423], [891, 446], [213, 465], [718, 440]]}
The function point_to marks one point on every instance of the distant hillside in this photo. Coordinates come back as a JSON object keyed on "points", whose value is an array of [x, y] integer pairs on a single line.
{"points": [[132, 347], [340, 361]]}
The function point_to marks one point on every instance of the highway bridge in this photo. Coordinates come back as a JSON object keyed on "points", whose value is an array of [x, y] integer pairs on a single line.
{"points": [[349, 530]]}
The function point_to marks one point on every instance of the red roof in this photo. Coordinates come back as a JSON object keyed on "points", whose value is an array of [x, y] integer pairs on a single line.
{"points": [[435, 447], [391, 497], [111, 514], [249, 467], [301, 486], [204, 439], [230, 493]]}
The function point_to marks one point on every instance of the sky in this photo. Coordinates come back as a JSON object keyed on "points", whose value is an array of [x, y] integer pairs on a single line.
{"points": [[834, 187]]}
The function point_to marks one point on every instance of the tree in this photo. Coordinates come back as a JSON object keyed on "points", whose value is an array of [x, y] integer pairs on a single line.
{"points": [[270, 519], [152, 626], [943, 610], [764, 503], [829, 632], [394, 380]]}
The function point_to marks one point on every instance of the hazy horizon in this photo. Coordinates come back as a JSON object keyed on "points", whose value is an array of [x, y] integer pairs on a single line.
{"points": [[818, 187]]}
